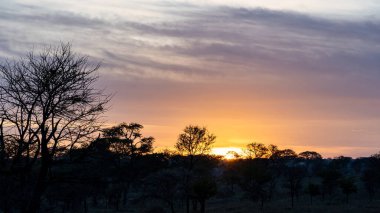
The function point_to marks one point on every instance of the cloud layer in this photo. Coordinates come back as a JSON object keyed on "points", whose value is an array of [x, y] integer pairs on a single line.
{"points": [[279, 75]]}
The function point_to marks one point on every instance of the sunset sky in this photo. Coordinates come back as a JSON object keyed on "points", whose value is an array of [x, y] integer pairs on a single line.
{"points": [[302, 74]]}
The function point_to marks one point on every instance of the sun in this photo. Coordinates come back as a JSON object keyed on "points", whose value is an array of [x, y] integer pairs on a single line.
{"points": [[228, 153]]}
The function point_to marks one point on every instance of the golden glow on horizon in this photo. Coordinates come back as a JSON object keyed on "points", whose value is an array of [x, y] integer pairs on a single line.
{"points": [[227, 152]]}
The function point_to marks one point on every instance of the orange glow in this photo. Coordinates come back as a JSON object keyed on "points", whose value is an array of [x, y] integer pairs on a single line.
{"points": [[227, 152]]}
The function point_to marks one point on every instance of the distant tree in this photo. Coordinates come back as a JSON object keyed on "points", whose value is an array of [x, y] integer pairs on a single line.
{"points": [[256, 150], [348, 186], [165, 186], [231, 174], [203, 189], [376, 155], [233, 154], [330, 179], [194, 140], [310, 155], [371, 175], [284, 154], [272, 149], [127, 139], [341, 163], [294, 175], [313, 190], [256, 178], [127, 144], [50, 104]]}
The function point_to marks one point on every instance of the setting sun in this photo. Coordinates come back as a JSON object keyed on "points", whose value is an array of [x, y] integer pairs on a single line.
{"points": [[227, 152]]}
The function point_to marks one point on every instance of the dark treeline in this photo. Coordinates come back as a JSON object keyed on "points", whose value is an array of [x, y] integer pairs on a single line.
{"points": [[118, 171], [55, 157]]}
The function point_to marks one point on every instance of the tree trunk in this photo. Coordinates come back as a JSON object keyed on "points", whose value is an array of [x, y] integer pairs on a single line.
{"points": [[187, 204], [172, 207], [85, 208], [195, 205], [2, 143], [34, 203], [203, 206]]}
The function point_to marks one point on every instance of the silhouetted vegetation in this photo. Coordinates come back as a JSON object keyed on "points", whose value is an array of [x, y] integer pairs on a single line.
{"points": [[55, 157]]}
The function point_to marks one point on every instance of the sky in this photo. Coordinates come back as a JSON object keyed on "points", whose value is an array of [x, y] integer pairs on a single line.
{"points": [[302, 74]]}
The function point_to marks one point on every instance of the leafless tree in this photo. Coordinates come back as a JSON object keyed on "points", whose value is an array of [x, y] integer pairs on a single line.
{"points": [[48, 103]]}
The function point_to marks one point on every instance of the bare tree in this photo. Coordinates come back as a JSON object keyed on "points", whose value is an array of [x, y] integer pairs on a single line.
{"points": [[49, 103]]}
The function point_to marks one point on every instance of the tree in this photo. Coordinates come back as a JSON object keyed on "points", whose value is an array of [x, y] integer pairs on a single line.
{"points": [[313, 190], [310, 155], [127, 140], [203, 189], [194, 140], [348, 187], [256, 150], [284, 154], [165, 186], [272, 149], [330, 179], [256, 178], [127, 144], [49, 103], [294, 175]]}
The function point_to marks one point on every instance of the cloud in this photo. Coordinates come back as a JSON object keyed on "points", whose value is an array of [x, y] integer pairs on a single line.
{"points": [[180, 61]]}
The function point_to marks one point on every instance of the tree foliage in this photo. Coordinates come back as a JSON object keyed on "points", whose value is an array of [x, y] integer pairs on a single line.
{"points": [[195, 140], [256, 150], [127, 139]]}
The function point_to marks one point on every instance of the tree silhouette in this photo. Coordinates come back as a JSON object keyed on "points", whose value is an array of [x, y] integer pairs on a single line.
{"points": [[256, 150], [285, 154], [50, 104], [313, 190], [127, 140], [371, 175], [348, 186], [165, 186], [203, 189], [256, 178], [310, 155], [194, 140], [330, 179], [294, 175], [272, 149]]}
